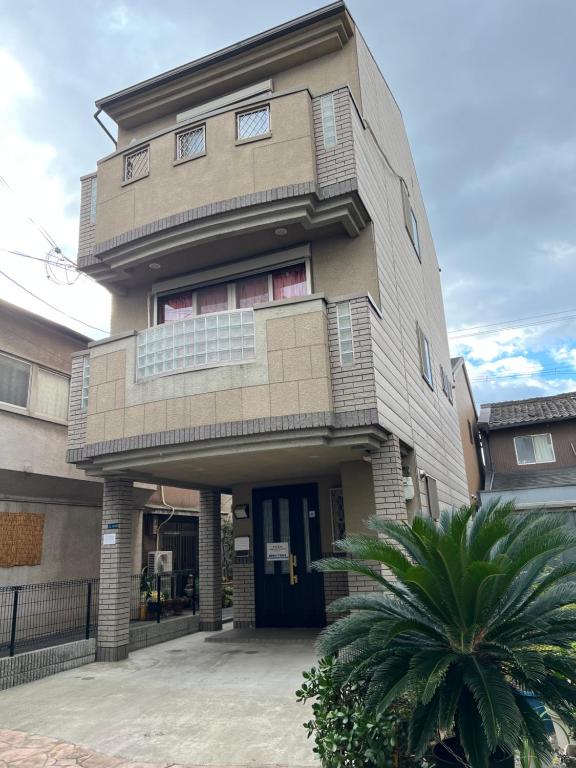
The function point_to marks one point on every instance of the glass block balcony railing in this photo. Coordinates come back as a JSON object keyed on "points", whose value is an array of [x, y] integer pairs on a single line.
{"points": [[196, 342]]}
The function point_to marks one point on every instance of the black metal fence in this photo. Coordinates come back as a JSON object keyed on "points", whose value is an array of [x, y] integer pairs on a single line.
{"points": [[36, 616], [159, 596]]}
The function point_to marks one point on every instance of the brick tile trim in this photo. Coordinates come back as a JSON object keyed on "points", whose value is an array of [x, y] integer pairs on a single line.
{"points": [[302, 421]]}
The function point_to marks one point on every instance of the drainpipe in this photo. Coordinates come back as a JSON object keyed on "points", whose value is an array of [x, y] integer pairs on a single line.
{"points": [[170, 516], [106, 131]]}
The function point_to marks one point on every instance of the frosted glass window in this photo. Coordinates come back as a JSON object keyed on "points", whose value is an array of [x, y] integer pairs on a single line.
{"points": [[14, 381], [345, 338], [52, 392], [306, 529], [328, 120], [85, 383], [256, 122], [268, 534], [284, 515], [191, 143]]}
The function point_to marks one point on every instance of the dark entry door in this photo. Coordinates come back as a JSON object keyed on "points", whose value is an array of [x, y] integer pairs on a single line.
{"points": [[286, 542]]}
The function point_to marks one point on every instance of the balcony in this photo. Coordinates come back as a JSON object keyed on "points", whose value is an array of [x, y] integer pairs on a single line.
{"points": [[179, 194], [212, 339]]}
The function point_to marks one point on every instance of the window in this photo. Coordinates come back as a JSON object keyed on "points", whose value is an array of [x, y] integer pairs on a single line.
{"points": [[252, 290], [93, 194], [35, 390], [14, 381], [289, 283], [244, 293], [254, 123], [432, 494], [410, 220], [136, 164], [345, 339], [85, 383], [446, 380], [328, 121], [191, 143], [212, 299], [425, 357], [470, 432], [534, 449], [51, 395]]}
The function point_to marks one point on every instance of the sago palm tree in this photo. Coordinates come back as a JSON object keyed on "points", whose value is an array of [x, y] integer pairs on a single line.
{"points": [[471, 613]]}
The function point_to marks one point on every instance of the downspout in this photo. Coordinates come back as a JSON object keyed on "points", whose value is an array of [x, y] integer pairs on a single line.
{"points": [[170, 516], [106, 131]]}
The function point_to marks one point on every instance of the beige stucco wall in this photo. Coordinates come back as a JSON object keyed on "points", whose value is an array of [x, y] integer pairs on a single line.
{"points": [[226, 170], [358, 492], [289, 375]]}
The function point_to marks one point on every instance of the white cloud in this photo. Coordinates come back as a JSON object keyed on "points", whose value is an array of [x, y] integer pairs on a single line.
{"points": [[37, 192], [564, 354], [559, 251], [485, 348]]}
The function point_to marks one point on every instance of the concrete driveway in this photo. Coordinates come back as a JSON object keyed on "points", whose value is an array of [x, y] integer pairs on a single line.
{"points": [[188, 702]]}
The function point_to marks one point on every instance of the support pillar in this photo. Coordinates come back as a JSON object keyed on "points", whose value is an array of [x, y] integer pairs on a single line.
{"points": [[115, 571], [388, 482], [210, 555]]}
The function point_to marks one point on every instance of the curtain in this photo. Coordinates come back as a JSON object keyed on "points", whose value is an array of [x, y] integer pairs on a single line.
{"points": [[543, 450], [252, 290], [290, 282], [175, 307], [212, 299], [51, 394]]}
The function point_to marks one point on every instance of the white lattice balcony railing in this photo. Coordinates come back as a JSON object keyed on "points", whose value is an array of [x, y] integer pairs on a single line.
{"points": [[197, 342]]}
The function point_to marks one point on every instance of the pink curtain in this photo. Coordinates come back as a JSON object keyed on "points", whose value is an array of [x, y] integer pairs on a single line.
{"points": [[252, 290], [289, 282], [212, 299], [176, 307]]}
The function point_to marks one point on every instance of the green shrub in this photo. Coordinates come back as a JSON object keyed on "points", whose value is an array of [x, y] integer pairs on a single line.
{"points": [[346, 734], [227, 594]]}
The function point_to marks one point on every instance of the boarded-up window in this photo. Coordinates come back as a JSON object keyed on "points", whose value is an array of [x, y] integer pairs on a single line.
{"points": [[21, 535]]}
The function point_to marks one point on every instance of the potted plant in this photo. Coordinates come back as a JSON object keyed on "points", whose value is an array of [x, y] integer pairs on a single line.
{"points": [[470, 613]]}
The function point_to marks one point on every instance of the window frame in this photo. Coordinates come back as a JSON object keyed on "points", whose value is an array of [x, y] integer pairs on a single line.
{"points": [[255, 108], [127, 155], [31, 409], [189, 129], [532, 436], [410, 219], [231, 283], [425, 354]]}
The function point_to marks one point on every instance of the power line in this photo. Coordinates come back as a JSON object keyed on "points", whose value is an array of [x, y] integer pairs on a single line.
{"points": [[496, 328], [56, 309], [37, 258], [531, 374]]}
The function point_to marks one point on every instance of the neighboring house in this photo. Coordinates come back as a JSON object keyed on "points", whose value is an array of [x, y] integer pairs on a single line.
{"points": [[530, 451], [468, 419], [50, 512], [277, 327]]}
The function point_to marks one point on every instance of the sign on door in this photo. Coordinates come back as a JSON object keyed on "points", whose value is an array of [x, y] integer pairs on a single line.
{"points": [[277, 550]]}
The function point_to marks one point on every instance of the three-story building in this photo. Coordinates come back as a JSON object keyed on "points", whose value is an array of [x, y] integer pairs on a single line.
{"points": [[278, 329]]}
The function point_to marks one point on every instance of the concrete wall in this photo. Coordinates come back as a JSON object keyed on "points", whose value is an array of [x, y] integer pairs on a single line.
{"points": [[289, 376], [503, 454], [410, 292], [71, 544]]}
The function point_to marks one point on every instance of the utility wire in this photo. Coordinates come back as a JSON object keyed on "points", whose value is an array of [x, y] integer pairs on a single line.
{"points": [[553, 317], [44, 260], [71, 317], [533, 374]]}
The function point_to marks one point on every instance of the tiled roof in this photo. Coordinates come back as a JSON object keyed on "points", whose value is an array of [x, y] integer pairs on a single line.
{"points": [[541, 478], [532, 411]]}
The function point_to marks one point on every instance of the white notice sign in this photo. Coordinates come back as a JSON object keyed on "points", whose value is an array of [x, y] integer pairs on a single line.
{"points": [[277, 550], [242, 544], [108, 538]]}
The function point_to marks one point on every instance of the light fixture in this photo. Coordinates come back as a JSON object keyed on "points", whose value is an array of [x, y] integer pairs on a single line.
{"points": [[154, 265], [280, 231], [241, 511]]}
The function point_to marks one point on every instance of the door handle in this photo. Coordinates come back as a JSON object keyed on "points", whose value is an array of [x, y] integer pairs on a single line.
{"points": [[292, 564]]}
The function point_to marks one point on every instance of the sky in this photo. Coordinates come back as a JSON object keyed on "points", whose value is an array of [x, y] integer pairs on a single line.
{"points": [[486, 90]]}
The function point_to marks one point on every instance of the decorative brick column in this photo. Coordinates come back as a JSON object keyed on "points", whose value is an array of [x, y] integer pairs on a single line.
{"points": [[388, 483], [244, 597], [115, 571], [210, 555]]}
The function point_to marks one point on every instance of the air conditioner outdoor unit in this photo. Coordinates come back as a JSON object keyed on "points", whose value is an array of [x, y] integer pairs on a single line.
{"points": [[159, 562]]}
